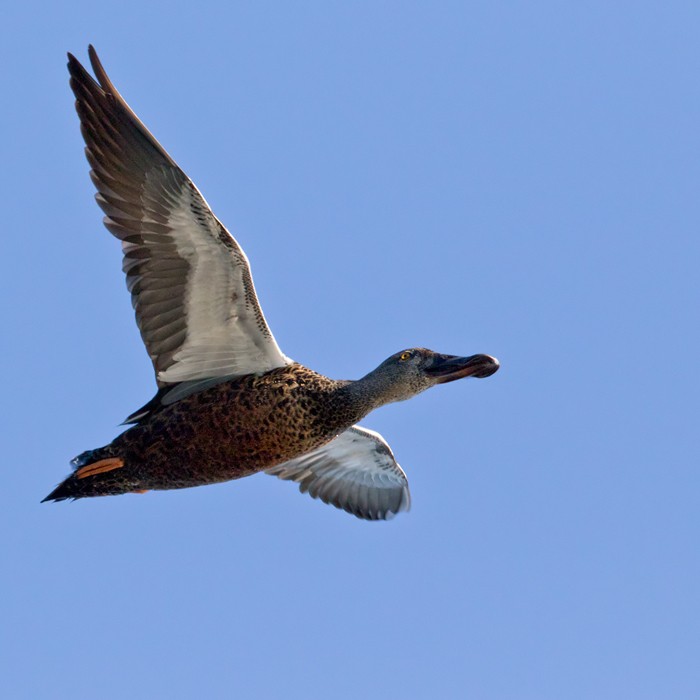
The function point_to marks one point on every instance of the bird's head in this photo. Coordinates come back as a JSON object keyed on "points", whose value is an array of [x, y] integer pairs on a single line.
{"points": [[409, 372]]}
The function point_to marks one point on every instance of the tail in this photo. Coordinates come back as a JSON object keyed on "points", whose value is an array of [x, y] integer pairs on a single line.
{"points": [[96, 473]]}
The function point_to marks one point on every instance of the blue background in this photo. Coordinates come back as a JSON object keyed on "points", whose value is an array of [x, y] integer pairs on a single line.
{"points": [[513, 178]]}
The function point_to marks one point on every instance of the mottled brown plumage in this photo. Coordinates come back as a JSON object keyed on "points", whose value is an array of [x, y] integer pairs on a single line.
{"points": [[228, 431]]}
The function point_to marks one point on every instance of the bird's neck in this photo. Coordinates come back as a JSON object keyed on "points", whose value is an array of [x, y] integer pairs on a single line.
{"points": [[371, 391]]}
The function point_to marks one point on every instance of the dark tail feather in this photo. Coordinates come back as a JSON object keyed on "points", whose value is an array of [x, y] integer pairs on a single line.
{"points": [[62, 492], [74, 487]]}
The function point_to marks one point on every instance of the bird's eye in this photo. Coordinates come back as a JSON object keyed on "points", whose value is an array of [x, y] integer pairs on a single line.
{"points": [[405, 355]]}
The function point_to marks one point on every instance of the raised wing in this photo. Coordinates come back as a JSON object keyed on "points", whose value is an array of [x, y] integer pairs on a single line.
{"points": [[189, 279], [356, 471]]}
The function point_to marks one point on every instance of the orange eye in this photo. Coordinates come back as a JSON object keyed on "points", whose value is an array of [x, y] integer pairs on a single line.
{"points": [[405, 355]]}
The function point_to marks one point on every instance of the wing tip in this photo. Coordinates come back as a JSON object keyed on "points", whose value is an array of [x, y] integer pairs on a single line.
{"points": [[78, 70], [100, 72]]}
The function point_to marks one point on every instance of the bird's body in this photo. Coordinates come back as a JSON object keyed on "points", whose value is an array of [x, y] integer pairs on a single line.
{"points": [[228, 431], [230, 403]]}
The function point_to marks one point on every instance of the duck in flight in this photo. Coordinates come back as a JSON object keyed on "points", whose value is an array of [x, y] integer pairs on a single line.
{"points": [[229, 402]]}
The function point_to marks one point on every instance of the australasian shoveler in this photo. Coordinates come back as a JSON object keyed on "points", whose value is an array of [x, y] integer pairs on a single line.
{"points": [[229, 402]]}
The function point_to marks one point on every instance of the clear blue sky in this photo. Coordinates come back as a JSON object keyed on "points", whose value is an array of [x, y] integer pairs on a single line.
{"points": [[519, 179]]}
